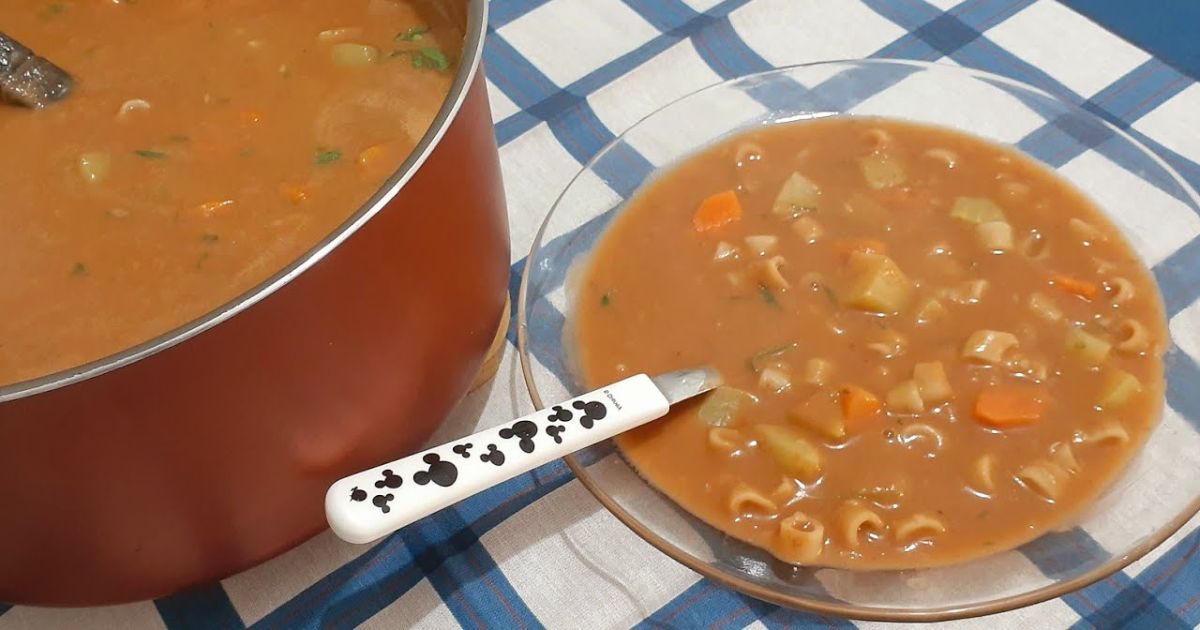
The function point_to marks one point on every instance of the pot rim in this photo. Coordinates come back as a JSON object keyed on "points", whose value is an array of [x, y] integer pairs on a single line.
{"points": [[469, 65]]}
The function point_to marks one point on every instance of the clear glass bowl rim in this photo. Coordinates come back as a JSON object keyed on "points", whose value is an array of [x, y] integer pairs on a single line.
{"points": [[844, 610]]}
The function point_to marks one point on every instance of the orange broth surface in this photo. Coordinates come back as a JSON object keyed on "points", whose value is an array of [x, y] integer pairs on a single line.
{"points": [[934, 348], [206, 145]]}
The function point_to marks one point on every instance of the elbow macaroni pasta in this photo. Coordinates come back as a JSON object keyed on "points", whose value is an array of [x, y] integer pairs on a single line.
{"points": [[918, 527], [859, 522], [745, 500], [801, 539]]}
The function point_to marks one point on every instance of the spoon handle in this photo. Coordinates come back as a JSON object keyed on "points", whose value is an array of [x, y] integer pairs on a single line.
{"points": [[373, 503]]}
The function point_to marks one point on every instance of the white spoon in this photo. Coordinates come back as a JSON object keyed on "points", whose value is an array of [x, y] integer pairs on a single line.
{"points": [[374, 503]]}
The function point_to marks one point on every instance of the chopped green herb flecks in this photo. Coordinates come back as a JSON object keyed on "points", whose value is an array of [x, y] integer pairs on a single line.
{"points": [[427, 57], [327, 156], [412, 34], [767, 296], [757, 361], [178, 138], [54, 9], [210, 238], [606, 299], [829, 294], [431, 58], [79, 269], [150, 155]]}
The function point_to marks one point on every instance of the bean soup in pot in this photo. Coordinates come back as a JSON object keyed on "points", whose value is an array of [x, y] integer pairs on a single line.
{"points": [[206, 145]]}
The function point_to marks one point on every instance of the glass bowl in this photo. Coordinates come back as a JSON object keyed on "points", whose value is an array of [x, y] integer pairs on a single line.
{"points": [[1155, 496]]}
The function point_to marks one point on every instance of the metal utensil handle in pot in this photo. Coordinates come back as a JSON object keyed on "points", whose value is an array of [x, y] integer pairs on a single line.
{"points": [[28, 79], [371, 504]]}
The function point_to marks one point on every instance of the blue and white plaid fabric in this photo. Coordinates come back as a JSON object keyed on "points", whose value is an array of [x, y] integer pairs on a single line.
{"points": [[565, 77]]}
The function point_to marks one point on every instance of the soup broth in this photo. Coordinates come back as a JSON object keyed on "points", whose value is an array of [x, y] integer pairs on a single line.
{"points": [[933, 347], [206, 145]]}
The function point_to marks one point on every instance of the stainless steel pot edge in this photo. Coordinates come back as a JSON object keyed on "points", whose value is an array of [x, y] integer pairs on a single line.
{"points": [[469, 65]]}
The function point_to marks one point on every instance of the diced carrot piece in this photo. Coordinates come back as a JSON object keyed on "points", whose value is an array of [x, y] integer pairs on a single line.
{"points": [[372, 155], [717, 210], [1010, 405], [847, 246], [214, 207], [295, 194], [859, 408], [1075, 286]]}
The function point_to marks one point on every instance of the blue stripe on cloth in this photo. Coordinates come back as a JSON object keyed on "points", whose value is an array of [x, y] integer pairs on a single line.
{"points": [[1174, 577], [1140, 91], [545, 103], [464, 574], [708, 605], [199, 609], [1182, 394], [719, 45], [1178, 279], [1059, 554], [501, 13], [1163, 28], [668, 15], [1131, 608], [1163, 596], [364, 586], [786, 619], [982, 15], [523, 84], [352, 593]]}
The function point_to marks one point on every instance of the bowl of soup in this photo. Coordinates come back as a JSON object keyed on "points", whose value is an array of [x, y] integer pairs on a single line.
{"points": [[939, 303], [261, 245]]}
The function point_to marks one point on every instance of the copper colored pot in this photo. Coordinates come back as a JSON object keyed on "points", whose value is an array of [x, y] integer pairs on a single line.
{"points": [[209, 450]]}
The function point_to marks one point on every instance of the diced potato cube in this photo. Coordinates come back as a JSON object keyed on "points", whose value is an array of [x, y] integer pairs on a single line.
{"points": [[723, 404], [94, 166], [976, 210], [1090, 348], [798, 195], [930, 311], [882, 171], [932, 382], [354, 54], [821, 413], [988, 346], [1044, 307], [817, 371], [877, 284], [725, 251], [808, 229], [995, 236], [774, 380], [791, 452], [1119, 388], [905, 398], [762, 244]]}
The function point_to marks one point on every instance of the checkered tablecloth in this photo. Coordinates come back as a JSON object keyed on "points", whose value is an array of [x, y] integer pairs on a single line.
{"points": [[565, 76]]}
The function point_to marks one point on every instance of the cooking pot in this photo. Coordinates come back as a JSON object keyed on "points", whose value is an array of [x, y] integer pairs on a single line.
{"points": [[209, 449]]}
